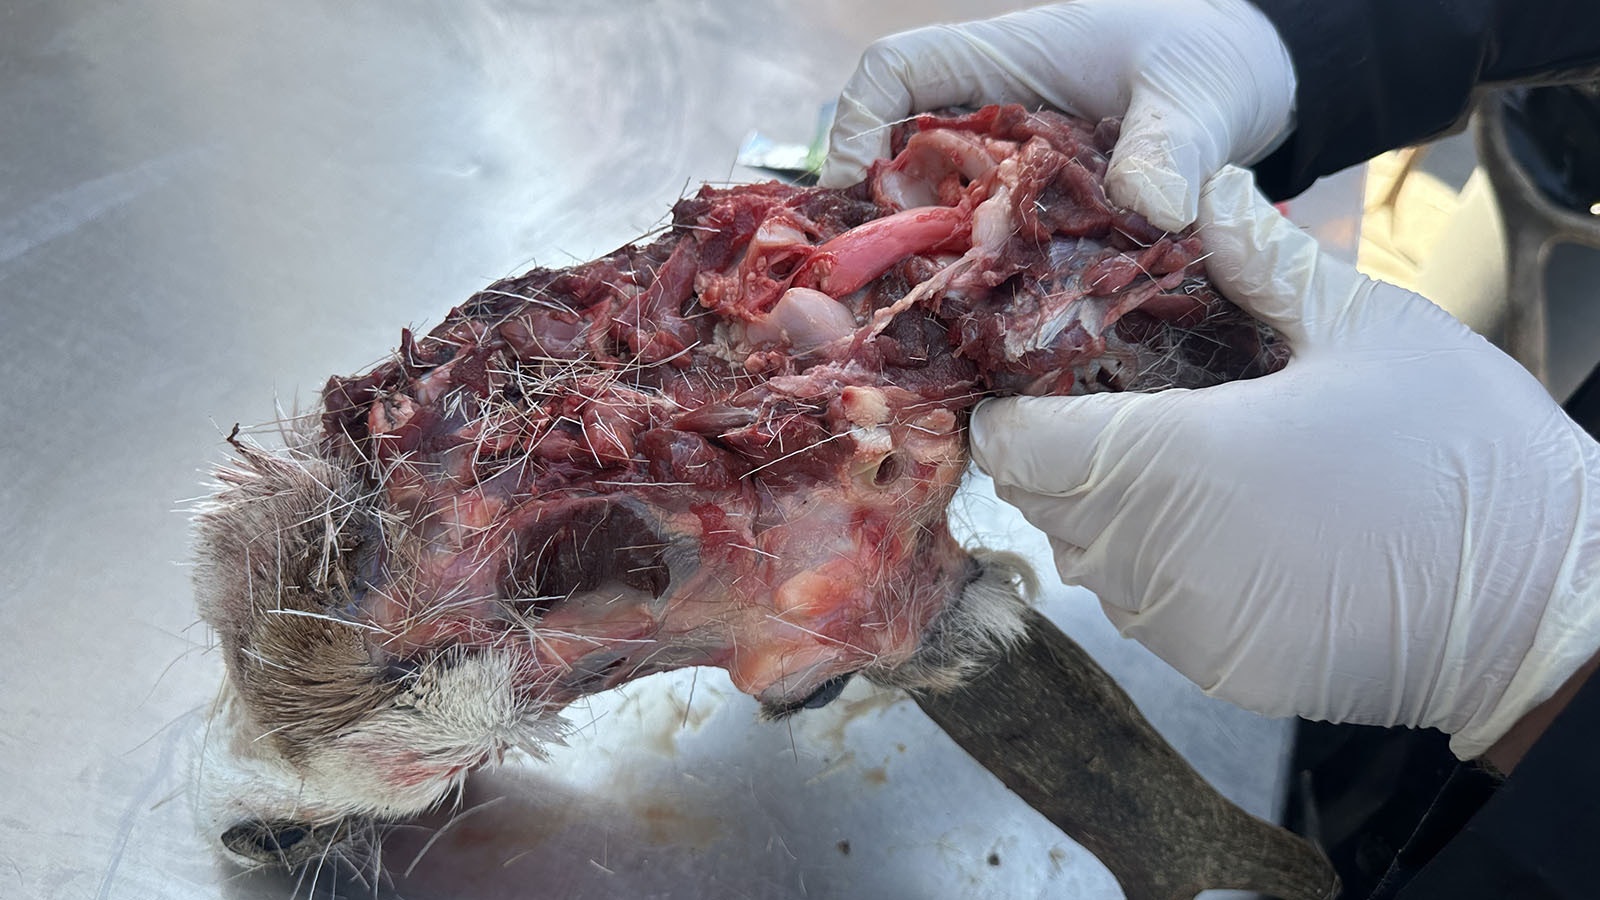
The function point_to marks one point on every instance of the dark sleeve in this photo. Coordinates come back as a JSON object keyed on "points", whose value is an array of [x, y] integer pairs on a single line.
{"points": [[1536, 837], [1378, 74]]}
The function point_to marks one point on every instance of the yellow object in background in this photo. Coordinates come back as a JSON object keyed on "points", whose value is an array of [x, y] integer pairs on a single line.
{"points": [[1405, 212]]}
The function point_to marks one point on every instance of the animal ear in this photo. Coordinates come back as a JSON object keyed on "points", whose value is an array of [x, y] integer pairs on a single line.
{"points": [[251, 461], [247, 465], [984, 620]]}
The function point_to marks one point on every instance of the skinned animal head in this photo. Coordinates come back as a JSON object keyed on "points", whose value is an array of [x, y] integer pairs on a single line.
{"points": [[338, 711], [733, 446]]}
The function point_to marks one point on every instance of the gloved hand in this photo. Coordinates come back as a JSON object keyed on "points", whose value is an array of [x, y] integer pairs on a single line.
{"points": [[1399, 528], [1199, 82]]}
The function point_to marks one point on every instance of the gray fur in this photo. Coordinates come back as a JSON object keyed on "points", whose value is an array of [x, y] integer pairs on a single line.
{"points": [[984, 621]]}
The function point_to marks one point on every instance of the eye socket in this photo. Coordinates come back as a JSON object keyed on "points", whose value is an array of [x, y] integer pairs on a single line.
{"points": [[400, 668], [344, 565], [595, 544]]}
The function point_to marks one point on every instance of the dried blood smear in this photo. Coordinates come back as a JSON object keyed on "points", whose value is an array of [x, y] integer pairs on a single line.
{"points": [[735, 445]]}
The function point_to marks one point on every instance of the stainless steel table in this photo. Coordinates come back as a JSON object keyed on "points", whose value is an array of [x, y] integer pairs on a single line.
{"points": [[206, 208]]}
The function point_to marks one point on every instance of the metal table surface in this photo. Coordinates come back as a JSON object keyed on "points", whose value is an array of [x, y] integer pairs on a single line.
{"points": [[207, 208]]}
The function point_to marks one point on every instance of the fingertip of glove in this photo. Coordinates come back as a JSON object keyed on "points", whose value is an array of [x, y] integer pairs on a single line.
{"points": [[1048, 444], [1156, 192], [858, 135], [1016, 439], [1147, 177], [987, 418], [1001, 426], [840, 173]]}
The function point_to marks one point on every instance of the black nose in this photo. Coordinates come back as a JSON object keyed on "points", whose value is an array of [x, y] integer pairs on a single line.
{"points": [[824, 694], [284, 843], [828, 692]]}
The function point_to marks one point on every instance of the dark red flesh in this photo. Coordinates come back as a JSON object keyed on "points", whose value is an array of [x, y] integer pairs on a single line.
{"points": [[735, 445]]}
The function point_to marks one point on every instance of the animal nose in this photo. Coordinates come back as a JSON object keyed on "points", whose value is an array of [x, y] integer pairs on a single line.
{"points": [[828, 692], [824, 694], [284, 843]]}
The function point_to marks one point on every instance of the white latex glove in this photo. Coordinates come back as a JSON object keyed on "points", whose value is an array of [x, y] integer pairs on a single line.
{"points": [[1399, 528], [1199, 82]]}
